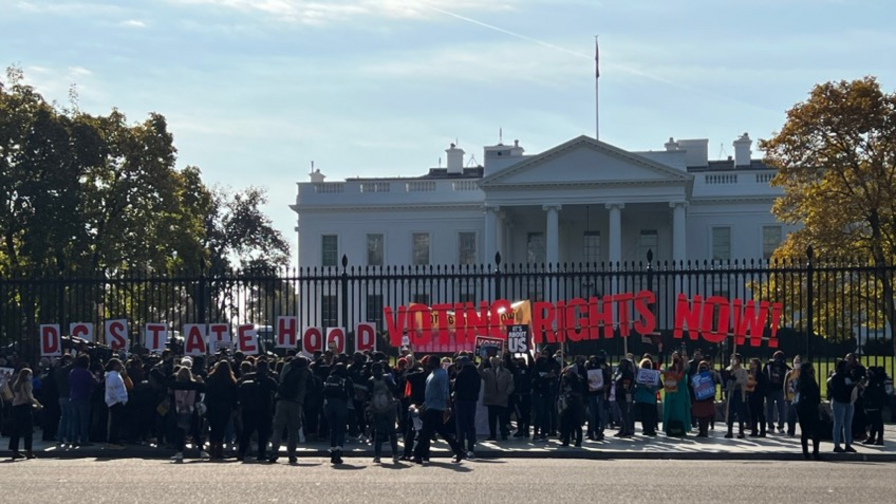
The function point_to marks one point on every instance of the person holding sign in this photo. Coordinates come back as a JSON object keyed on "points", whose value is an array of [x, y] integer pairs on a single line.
{"points": [[757, 386], [497, 383], [677, 398], [736, 388], [703, 385], [625, 386], [571, 406], [645, 400], [598, 373]]}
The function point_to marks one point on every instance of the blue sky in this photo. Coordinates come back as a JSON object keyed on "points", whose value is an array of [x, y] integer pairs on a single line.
{"points": [[256, 89]]}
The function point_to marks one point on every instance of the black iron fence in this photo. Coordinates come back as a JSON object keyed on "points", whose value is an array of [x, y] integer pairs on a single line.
{"points": [[818, 310]]}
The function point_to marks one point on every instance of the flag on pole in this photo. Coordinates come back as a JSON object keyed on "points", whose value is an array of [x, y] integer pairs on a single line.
{"points": [[596, 60]]}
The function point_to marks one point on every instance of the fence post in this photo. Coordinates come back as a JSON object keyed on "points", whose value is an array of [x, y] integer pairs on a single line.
{"points": [[344, 297], [810, 299], [496, 278]]}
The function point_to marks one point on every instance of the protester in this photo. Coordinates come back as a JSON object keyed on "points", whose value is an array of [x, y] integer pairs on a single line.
{"points": [[597, 395], [23, 404], [572, 406], [116, 397], [857, 375], [645, 402], [790, 382], [338, 390], [467, 387], [288, 415], [81, 385], [843, 393], [776, 372], [736, 392], [64, 432], [807, 400], [185, 390], [757, 388], [874, 399], [382, 412], [221, 401], [435, 414], [676, 399], [255, 391], [703, 410], [497, 387], [624, 382]]}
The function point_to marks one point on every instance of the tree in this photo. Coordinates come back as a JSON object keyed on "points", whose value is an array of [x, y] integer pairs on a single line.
{"points": [[836, 161]]}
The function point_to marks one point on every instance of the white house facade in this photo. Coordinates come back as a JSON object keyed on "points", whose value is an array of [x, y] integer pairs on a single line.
{"points": [[584, 201]]}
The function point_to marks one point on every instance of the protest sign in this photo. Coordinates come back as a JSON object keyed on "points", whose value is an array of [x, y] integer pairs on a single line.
{"points": [[312, 341], [287, 332], [365, 337], [336, 340], [50, 342], [703, 386], [194, 339], [595, 380], [155, 336], [648, 377], [247, 339], [83, 330], [670, 381], [518, 339], [488, 347], [116, 334]]}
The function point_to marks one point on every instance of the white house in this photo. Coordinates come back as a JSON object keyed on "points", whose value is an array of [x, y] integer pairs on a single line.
{"points": [[581, 201]]}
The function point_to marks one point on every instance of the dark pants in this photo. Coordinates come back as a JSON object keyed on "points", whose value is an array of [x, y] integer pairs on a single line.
{"points": [[757, 415], [876, 421], [648, 417], [255, 420], [383, 427], [498, 414], [540, 406], [736, 409], [465, 417], [523, 413], [218, 417], [337, 415], [22, 427], [116, 421], [627, 417], [434, 424], [571, 425], [810, 428], [80, 421], [410, 434]]}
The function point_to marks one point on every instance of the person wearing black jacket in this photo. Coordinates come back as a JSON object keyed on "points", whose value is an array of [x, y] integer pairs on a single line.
{"points": [[807, 399], [256, 393], [415, 381], [338, 391], [874, 398], [523, 391], [756, 399], [572, 407], [466, 396], [597, 394], [220, 400], [840, 388]]}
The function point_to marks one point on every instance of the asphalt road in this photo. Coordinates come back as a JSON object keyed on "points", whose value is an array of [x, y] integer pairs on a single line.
{"points": [[489, 481]]}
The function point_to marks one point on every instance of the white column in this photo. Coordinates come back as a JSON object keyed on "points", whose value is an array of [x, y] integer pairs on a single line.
{"points": [[499, 233], [679, 230], [552, 236], [615, 232], [491, 234]]}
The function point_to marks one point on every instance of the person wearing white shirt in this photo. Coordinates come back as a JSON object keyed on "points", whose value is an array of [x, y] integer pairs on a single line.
{"points": [[116, 398]]}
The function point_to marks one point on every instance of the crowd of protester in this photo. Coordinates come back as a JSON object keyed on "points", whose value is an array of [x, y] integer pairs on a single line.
{"points": [[222, 405]]}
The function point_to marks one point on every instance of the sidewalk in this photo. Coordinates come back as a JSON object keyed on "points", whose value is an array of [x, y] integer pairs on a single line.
{"points": [[774, 447]]}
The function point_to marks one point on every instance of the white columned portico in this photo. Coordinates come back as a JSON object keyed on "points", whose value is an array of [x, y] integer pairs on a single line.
{"points": [[615, 227], [491, 234], [552, 235], [679, 231]]}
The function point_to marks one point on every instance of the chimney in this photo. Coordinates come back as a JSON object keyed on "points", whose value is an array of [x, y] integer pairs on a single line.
{"points": [[696, 152], [455, 159], [742, 150], [671, 145]]}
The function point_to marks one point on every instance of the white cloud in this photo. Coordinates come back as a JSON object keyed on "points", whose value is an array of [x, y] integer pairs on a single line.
{"points": [[133, 23], [317, 12]]}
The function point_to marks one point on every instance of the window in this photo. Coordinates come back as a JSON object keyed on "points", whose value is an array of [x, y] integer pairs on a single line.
{"points": [[535, 245], [329, 311], [375, 309], [648, 241], [329, 250], [721, 243], [772, 236], [421, 248], [467, 248], [591, 246], [375, 250]]}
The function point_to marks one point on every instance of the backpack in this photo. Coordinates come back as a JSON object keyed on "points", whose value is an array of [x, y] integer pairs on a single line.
{"points": [[382, 400], [289, 383], [248, 394], [334, 387]]}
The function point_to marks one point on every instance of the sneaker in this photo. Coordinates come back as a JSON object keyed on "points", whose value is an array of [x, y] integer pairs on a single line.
{"points": [[837, 449], [471, 455], [293, 460], [396, 459], [376, 460], [178, 457], [457, 459], [204, 455], [850, 449]]}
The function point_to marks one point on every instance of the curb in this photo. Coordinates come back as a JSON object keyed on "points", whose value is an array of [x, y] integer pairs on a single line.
{"points": [[559, 454]]}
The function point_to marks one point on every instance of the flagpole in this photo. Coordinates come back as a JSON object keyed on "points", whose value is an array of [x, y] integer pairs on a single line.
{"points": [[596, 90]]}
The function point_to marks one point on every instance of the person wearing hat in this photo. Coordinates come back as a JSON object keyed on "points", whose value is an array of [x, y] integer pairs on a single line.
{"points": [[467, 386]]}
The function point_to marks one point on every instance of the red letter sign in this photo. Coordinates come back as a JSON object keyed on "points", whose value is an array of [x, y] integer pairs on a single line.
{"points": [[83, 330], [155, 336], [194, 342], [50, 344], [287, 332], [336, 340], [117, 334], [365, 337], [312, 341], [247, 339]]}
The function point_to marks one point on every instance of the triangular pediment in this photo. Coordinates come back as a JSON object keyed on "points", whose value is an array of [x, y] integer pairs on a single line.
{"points": [[584, 160]]}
